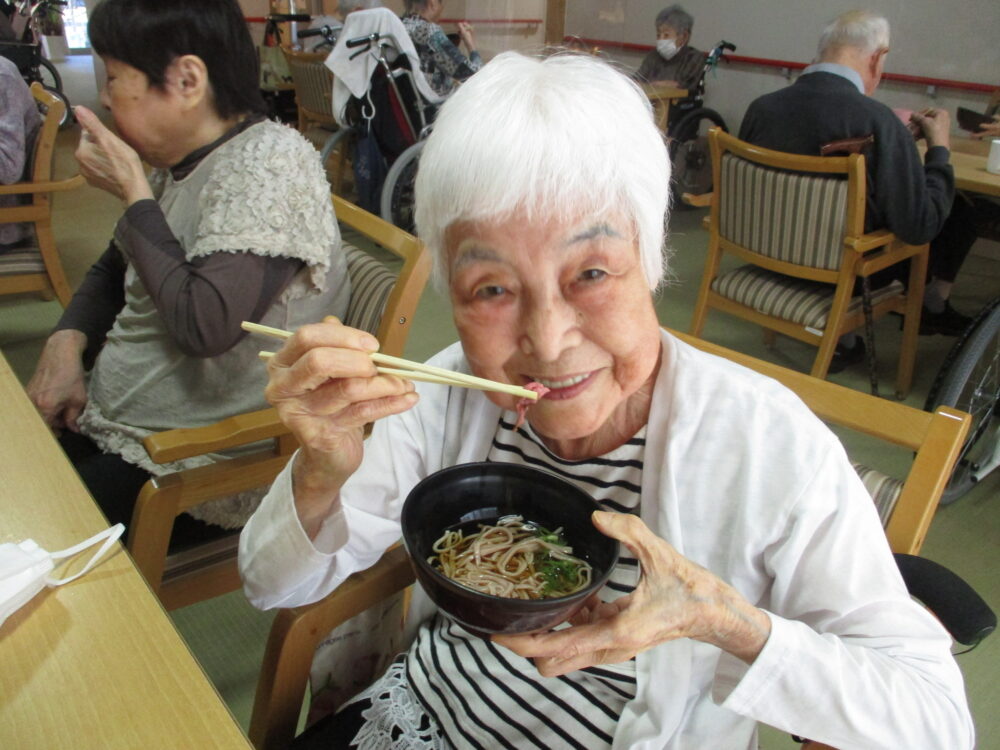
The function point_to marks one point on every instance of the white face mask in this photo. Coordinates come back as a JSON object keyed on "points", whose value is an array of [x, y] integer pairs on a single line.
{"points": [[25, 567], [666, 47]]}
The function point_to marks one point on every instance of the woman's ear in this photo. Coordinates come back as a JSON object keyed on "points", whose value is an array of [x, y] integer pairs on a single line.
{"points": [[188, 77]]}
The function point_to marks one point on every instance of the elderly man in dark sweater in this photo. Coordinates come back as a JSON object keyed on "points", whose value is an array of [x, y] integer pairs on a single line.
{"points": [[832, 101]]}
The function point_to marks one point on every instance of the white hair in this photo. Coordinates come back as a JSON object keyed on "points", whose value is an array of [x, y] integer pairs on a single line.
{"points": [[863, 30], [555, 138], [349, 6]]}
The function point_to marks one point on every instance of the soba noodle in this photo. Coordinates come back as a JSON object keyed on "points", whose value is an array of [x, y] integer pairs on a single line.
{"points": [[512, 559]]}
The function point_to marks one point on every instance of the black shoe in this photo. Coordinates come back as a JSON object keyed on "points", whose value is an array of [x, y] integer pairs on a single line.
{"points": [[948, 322], [844, 357]]}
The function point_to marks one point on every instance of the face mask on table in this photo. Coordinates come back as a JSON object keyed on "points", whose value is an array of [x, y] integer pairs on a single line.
{"points": [[667, 48], [25, 567]]}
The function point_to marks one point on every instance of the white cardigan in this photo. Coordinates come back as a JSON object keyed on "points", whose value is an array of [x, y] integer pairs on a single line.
{"points": [[739, 477]]}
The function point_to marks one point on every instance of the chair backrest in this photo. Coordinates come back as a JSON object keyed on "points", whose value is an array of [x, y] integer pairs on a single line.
{"points": [[313, 83], [375, 288], [792, 209], [53, 108], [905, 506], [935, 438]]}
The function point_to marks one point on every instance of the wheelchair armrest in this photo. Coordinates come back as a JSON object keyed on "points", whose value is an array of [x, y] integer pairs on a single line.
{"points": [[954, 602]]}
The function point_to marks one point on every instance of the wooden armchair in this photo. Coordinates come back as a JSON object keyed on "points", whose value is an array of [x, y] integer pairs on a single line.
{"points": [[383, 302], [797, 223], [38, 269], [907, 507]]}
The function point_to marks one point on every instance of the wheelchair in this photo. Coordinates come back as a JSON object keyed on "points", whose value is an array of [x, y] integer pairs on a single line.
{"points": [[381, 126], [969, 380], [687, 134], [33, 66]]}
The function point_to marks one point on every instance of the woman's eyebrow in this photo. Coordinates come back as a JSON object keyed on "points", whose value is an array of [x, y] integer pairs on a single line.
{"points": [[473, 254], [598, 230]]}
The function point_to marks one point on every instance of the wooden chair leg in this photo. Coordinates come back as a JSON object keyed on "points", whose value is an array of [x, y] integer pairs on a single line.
{"points": [[53, 265], [707, 277], [149, 533], [769, 337], [911, 322]]}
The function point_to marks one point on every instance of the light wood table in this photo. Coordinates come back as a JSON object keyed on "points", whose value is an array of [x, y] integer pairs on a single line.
{"points": [[661, 97], [971, 174], [95, 663], [968, 160]]}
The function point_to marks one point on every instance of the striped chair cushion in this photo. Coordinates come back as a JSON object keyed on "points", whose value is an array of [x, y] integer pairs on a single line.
{"points": [[371, 285], [21, 261], [782, 215], [804, 302], [313, 85], [883, 489]]}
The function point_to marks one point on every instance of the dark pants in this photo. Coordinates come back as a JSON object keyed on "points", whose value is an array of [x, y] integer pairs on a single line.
{"points": [[970, 217], [333, 732], [115, 484]]}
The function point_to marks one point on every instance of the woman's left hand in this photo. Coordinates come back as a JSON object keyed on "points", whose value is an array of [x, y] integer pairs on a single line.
{"points": [[468, 35], [107, 162], [675, 598]]}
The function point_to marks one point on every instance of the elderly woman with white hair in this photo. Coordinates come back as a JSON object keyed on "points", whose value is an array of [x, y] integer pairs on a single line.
{"points": [[755, 584]]}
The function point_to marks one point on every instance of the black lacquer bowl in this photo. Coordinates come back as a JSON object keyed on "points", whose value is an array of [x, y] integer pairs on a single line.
{"points": [[469, 494]]}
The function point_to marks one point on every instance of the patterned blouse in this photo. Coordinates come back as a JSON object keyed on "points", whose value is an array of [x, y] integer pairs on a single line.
{"points": [[440, 60]]}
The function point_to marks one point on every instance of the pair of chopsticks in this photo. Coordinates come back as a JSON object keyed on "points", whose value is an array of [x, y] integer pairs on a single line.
{"points": [[404, 368]]}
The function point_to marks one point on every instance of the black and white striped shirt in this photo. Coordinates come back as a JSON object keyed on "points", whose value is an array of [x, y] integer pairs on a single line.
{"points": [[485, 696]]}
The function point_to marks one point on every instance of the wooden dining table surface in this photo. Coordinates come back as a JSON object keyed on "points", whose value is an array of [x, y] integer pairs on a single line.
{"points": [[661, 96], [96, 663], [968, 160]]}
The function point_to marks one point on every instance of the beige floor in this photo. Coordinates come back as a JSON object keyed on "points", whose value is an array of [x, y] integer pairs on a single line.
{"points": [[227, 635]]}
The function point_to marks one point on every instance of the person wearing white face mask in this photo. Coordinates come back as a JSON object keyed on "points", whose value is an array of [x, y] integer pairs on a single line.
{"points": [[673, 62]]}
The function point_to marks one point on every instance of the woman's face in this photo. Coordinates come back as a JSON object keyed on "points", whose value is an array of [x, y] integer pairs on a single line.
{"points": [[146, 117], [669, 32], [565, 304], [434, 9]]}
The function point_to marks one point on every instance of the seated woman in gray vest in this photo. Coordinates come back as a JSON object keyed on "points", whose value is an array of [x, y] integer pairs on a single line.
{"points": [[234, 223]]}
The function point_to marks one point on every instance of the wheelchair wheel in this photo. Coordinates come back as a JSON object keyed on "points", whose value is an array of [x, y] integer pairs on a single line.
{"points": [[691, 161], [397, 192], [47, 75], [970, 380]]}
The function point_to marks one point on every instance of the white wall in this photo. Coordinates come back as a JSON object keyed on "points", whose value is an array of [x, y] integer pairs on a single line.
{"points": [[956, 40]]}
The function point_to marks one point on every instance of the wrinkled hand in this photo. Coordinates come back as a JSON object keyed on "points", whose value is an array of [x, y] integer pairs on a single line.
{"points": [[107, 162], [326, 389], [675, 598], [57, 388], [936, 126], [989, 129], [468, 36]]}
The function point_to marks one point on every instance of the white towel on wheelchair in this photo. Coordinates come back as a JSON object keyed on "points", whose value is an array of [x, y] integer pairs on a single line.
{"points": [[352, 77]]}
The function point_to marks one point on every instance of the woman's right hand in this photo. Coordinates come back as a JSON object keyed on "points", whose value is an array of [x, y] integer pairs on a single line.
{"points": [[325, 387], [58, 389]]}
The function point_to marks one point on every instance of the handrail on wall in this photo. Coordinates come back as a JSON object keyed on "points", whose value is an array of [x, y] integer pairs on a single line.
{"points": [[790, 65], [495, 21]]}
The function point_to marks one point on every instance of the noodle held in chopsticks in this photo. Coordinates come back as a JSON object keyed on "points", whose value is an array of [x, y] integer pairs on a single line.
{"points": [[512, 559]]}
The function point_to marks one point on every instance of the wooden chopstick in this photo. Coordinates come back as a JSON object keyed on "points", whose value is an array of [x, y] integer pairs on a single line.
{"points": [[405, 368]]}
